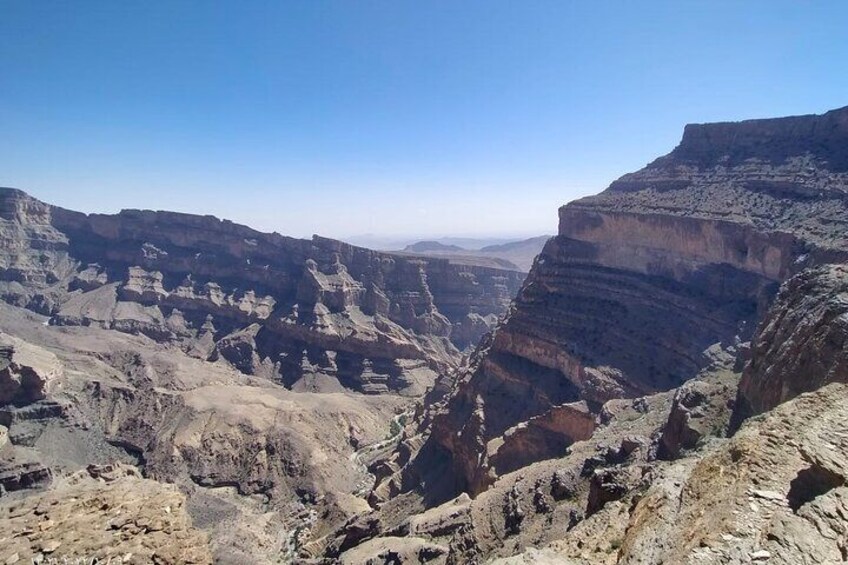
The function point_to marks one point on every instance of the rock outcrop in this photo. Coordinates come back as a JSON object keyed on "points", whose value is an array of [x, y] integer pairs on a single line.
{"points": [[25, 371], [644, 278], [802, 344], [102, 514]]}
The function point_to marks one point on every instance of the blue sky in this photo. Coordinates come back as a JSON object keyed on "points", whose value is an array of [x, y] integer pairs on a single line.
{"points": [[390, 117]]}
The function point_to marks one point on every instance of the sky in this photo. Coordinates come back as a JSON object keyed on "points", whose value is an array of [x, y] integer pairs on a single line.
{"points": [[426, 118]]}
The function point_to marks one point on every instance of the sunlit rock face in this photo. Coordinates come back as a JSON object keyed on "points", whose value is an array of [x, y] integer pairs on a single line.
{"points": [[644, 277], [323, 315]]}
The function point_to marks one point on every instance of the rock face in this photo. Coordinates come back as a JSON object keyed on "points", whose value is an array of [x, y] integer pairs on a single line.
{"points": [[802, 344], [645, 277], [25, 371], [103, 513], [245, 368], [324, 314]]}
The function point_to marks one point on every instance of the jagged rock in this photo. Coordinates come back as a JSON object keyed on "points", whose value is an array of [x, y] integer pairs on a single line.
{"points": [[33, 253], [239, 349], [20, 469], [793, 457], [700, 409], [802, 343], [604, 486], [542, 437], [468, 331], [25, 371], [395, 550]]}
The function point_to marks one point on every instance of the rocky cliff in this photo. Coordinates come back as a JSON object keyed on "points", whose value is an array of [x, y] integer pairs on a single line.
{"points": [[313, 314], [248, 369], [592, 426], [802, 344], [643, 279]]}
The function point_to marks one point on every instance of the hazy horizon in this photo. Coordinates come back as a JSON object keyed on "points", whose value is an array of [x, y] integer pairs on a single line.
{"points": [[386, 118]]}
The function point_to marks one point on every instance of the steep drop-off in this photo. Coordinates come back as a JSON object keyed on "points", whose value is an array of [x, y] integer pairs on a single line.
{"points": [[592, 426], [642, 279]]}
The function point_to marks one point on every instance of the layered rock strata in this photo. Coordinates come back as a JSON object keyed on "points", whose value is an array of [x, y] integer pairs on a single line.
{"points": [[643, 279], [324, 315]]}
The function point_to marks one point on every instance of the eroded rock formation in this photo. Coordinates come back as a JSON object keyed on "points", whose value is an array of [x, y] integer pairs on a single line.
{"points": [[638, 314], [645, 277], [324, 314]]}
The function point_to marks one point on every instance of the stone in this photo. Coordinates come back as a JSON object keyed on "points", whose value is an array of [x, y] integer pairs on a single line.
{"points": [[81, 508], [25, 371], [802, 343]]}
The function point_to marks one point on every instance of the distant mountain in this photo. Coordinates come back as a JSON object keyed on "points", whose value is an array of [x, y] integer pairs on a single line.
{"points": [[517, 245], [517, 254], [397, 243], [426, 246]]}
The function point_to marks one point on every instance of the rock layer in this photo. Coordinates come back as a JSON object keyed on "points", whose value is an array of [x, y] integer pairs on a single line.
{"points": [[330, 314], [644, 278]]}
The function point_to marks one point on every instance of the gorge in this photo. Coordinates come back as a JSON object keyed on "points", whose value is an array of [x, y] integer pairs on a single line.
{"points": [[666, 386]]}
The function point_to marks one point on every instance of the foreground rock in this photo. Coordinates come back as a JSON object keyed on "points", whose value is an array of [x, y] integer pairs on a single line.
{"points": [[103, 513]]}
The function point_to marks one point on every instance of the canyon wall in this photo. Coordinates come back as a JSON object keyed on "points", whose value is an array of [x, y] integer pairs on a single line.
{"points": [[313, 314], [641, 281]]}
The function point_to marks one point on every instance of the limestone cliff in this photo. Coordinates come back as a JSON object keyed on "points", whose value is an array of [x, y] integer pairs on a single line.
{"points": [[313, 314], [643, 279]]}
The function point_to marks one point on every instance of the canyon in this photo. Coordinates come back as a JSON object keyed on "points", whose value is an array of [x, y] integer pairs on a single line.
{"points": [[670, 309], [666, 385], [247, 368]]}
